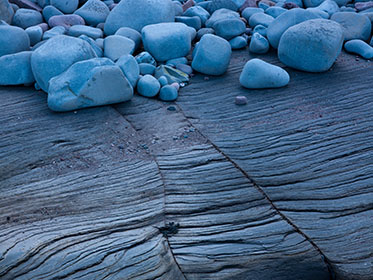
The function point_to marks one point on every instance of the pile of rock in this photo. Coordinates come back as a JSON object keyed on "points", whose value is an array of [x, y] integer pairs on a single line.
{"points": [[87, 53]]}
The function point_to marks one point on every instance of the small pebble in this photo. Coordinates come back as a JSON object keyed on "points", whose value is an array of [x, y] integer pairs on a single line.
{"points": [[171, 108], [240, 100]]}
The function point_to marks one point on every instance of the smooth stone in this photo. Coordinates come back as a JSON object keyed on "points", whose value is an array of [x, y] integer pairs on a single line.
{"points": [[148, 86], [6, 11], [178, 8], [318, 13], [93, 12], [13, 40], [14, 7], [173, 75], [56, 56], [165, 41], [290, 18], [204, 31], [260, 18], [44, 26], [258, 74], [229, 28], [27, 4], [138, 13], [97, 49], [145, 57], [130, 68], [355, 26], [35, 33], [168, 93], [65, 6], [359, 47], [176, 85], [240, 100], [212, 55], [26, 17], [215, 5], [262, 30], [146, 68], [100, 42], [77, 30], [176, 61], [163, 81], [116, 46], [248, 12], [16, 69], [93, 82], [50, 11], [311, 46], [258, 44], [329, 6], [66, 21], [130, 34], [55, 31], [43, 3], [238, 42], [199, 12], [275, 11], [263, 5], [315, 3], [193, 21], [222, 14], [184, 68]]}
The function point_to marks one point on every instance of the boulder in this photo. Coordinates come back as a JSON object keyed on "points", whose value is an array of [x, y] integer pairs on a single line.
{"points": [[88, 83], [65, 6], [258, 44], [148, 86], [168, 93], [26, 17], [116, 46], [93, 12], [199, 12], [35, 33], [359, 47], [130, 34], [311, 46], [229, 28], [13, 39], [130, 68], [56, 56], [355, 26], [222, 14], [16, 69], [6, 11]]}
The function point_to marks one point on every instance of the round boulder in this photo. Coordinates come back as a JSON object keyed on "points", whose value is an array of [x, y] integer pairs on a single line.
{"points": [[13, 39]]}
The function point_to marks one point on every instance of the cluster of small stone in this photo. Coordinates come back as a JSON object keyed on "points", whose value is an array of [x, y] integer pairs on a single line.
{"points": [[90, 53]]}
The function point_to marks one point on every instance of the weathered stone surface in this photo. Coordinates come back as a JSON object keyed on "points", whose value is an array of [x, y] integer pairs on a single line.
{"points": [[16, 69], [93, 12], [198, 11]]}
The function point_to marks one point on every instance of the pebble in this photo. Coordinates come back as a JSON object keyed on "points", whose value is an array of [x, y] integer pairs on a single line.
{"points": [[6, 11], [238, 42], [193, 21], [27, 17], [168, 93], [35, 34], [199, 12], [65, 20], [260, 18], [50, 11], [145, 57], [173, 75], [229, 28], [93, 12], [240, 100], [130, 68], [359, 47], [176, 85], [130, 34], [16, 69], [65, 6], [116, 46], [96, 48], [262, 30], [355, 26], [176, 61], [248, 12], [55, 31], [204, 31], [92, 32], [13, 40], [258, 44], [184, 68], [163, 81], [146, 68], [222, 14], [148, 86], [215, 5]]}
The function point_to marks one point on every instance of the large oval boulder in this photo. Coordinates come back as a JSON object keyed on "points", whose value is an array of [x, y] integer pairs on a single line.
{"points": [[311, 46], [355, 26], [138, 13], [13, 39], [56, 56]]}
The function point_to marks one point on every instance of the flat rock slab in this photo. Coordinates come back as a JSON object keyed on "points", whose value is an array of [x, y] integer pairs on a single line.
{"points": [[280, 188]]}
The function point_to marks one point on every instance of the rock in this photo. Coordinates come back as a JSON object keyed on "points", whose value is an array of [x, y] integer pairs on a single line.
{"points": [[130, 34], [55, 31], [184, 68], [258, 74], [315, 3], [168, 93], [165, 41], [148, 86], [258, 44], [361, 6], [229, 28], [116, 46], [199, 12], [292, 17], [6, 11], [163, 81], [222, 14], [212, 55], [13, 40], [77, 30], [65, 6], [204, 31], [145, 57], [50, 11], [130, 68], [93, 12], [176, 85], [44, 26], [215, 5], [185, 6], [238, 42], [27, 4], [146, 68], [275, 11], [311, 46], [240, 100], [173, 75], [318, 13], [66, 21], [178, 7], [56, 56], [248, 12], [328, 6], [88, 83], [262, 30], [138, 13], [260, 18], [176, 61], [359, 47], [355, 26], [96, 48], [35, 34], [26, 17], [16, 69], [194, 21]]}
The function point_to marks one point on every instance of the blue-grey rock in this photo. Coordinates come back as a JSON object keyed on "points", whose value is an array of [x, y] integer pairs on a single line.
{"points": [[262, 30], [222, 14], [240, 100], [130, 68], [138, 13], [16, 69], [173, 75], [100, 42], [193, 21], [116, 46], [260, 18], [42, 3], [130, 34], [248, 12], [55, 31], [359, 47], [318, 13], [13, 39], [146, 68], [275, 11], [93, 12], [212, 55], [184, 68], [50, 11], [66, 21], [148, 86], [96, 48], [292, 17], [145, 57], [229, 28], [176, 61], [77, 30], [258, 44], [311, 46], [178, 8], [93, 82], [6, 11], [203, 31], [315, 3], [238, 42], [37, 45], [215, 5], [65, 6], [199, 12], [27, 17], [355, 26], [35, 33], [329, 6], [258, 74], [56, 56], [165, 41], [163, 81], [263, 5], [168, 93]]}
